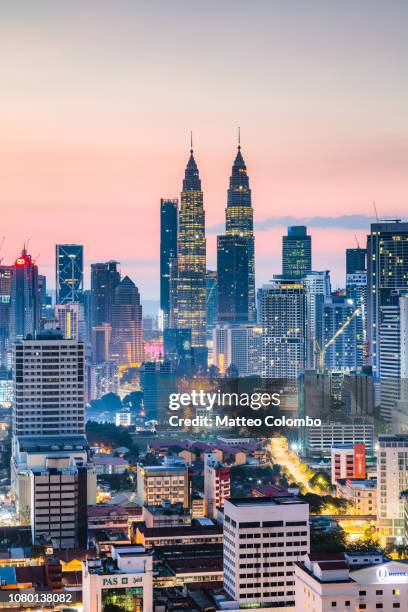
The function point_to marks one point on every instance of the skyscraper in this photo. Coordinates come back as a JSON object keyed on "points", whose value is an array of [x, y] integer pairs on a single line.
{"points": [[25, 300], [105, 277], [387, 275], [356, 260], [127, 324], [296, 252], [233, 278], [239, 223], [341, 348], [168, 251], [282, 318], [191, 258], [71, 320], [69, 269], [5, 293], [211, 301], [318, 291]]}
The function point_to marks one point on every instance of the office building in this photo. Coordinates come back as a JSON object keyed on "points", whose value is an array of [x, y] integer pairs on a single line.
{"points": [[321, 439], [348, 461], [217, 484], [69, 269], [168, 252], [296, 252], [328, 582], [282, 318], [123, 581], [177, 347], [243, 348], [158, 382], [263, 539], [5, 295], [318, 291], [356, 260], [48, 386], [239, 223], [339, 334], [156, 483], [70, 320], [24, 299], [387, 275], [233, 278], [105, 277], [356, 290], [101, 339], [211, 291], [127, 325], [392, 480], [191, 259]]}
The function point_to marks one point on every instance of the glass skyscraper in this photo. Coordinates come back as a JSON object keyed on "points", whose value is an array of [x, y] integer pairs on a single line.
{"points": [[168, 252], [69, 268], [296, 252], [239, 223], [233, 278], [105, 277], [190, 291], [25, 298]]}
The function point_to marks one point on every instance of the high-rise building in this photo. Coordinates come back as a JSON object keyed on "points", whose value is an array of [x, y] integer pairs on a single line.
{"points": [[393, 358], [233, 278], [102, 378], [392, 480], [283, 321], [71, 321], [217, 484], [158, 382], [24, 300], [264, 537], [356, 289], [239, 223], [339, 334], [387, 274], [211, 301], [191, 258], [5, 294], [101, 339], [48, 386], [356, 260], [127, 324], [105, 277], [242, 348], [69, 270], [168, 251], [318, 291], [296, 252], [177, 347]]}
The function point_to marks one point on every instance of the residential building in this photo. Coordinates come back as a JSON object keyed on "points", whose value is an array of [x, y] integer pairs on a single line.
{"points": [[392, 480]]}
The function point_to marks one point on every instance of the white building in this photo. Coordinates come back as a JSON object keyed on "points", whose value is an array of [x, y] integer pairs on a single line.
{"points": [[392, 479], [123, 418], [124, 581], [320, 439], [327, 583], [318, 291], [362, 495], [70, 319], [217, 484], [282, 318], [263, 538], [102, 378], [243, 348], [348, 461]]}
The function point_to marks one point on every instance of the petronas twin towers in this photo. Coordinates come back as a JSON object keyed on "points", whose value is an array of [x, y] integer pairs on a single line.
{"points": [[236, 267]]}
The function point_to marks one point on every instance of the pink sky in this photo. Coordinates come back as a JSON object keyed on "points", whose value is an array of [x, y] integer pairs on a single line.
{"points": [[97, 104]]}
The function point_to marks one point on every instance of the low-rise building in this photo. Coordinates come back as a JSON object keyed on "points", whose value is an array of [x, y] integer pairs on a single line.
{"points": [[361, 493], [348, 461]]}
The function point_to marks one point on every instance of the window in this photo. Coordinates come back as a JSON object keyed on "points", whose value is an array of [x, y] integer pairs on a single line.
{"points": [[362, 593], [334, 604], [362, 607], [378, 592], [396, 605], [378, 606]]}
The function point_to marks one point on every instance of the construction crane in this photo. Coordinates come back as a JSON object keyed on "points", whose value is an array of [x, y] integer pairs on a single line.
{"points": [[322, 350]]}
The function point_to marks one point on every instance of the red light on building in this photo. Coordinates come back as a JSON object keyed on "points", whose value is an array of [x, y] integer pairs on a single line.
{"points": [[21, 261]]}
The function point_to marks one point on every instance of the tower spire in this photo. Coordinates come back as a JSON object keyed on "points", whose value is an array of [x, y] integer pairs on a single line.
{"points": [[239, 137], [191, 141]]}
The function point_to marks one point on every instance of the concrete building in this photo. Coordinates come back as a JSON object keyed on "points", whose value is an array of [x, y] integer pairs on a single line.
{"points": [[123, 581], [243, 348], [348, 461], [362, 495], [102, 378], [156, 483], [319, 440], [325, 583], [392, 480], [70, 320], [263, 538], [217, 484]]}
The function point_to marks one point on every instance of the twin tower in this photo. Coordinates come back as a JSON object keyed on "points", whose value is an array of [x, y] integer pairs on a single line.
{"points": [[187, 267]]}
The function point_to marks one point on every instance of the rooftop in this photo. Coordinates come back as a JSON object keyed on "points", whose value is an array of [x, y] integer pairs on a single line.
{"points": [[264, 501]]}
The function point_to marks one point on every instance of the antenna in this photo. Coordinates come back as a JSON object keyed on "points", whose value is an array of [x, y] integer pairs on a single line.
{"points": [[239, 137], [375, 211], [356, 239], [191, 140]]}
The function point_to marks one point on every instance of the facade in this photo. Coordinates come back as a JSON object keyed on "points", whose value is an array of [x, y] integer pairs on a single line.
{"points": [[48, 387], [318, 291], [217, 484], [122, 582], [233, 278], [263, 539], [392, 480], [168, 252], [387, 275], [356, 289], [102, 378], [211, 291], [5, 296], [243, 348], [71, 320], [156, 483], [24, 299], [282, 318], [157, 381], [239, 223], [190, 282], [127, 325], [340, 334], [348, 461], [105, 277], [101, 339], [356, 260], [296, 252], [320, 439], [361, 494], [69, 268]]}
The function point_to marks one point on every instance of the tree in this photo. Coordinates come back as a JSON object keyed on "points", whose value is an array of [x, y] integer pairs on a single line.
{"points": [[323, 542]]}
